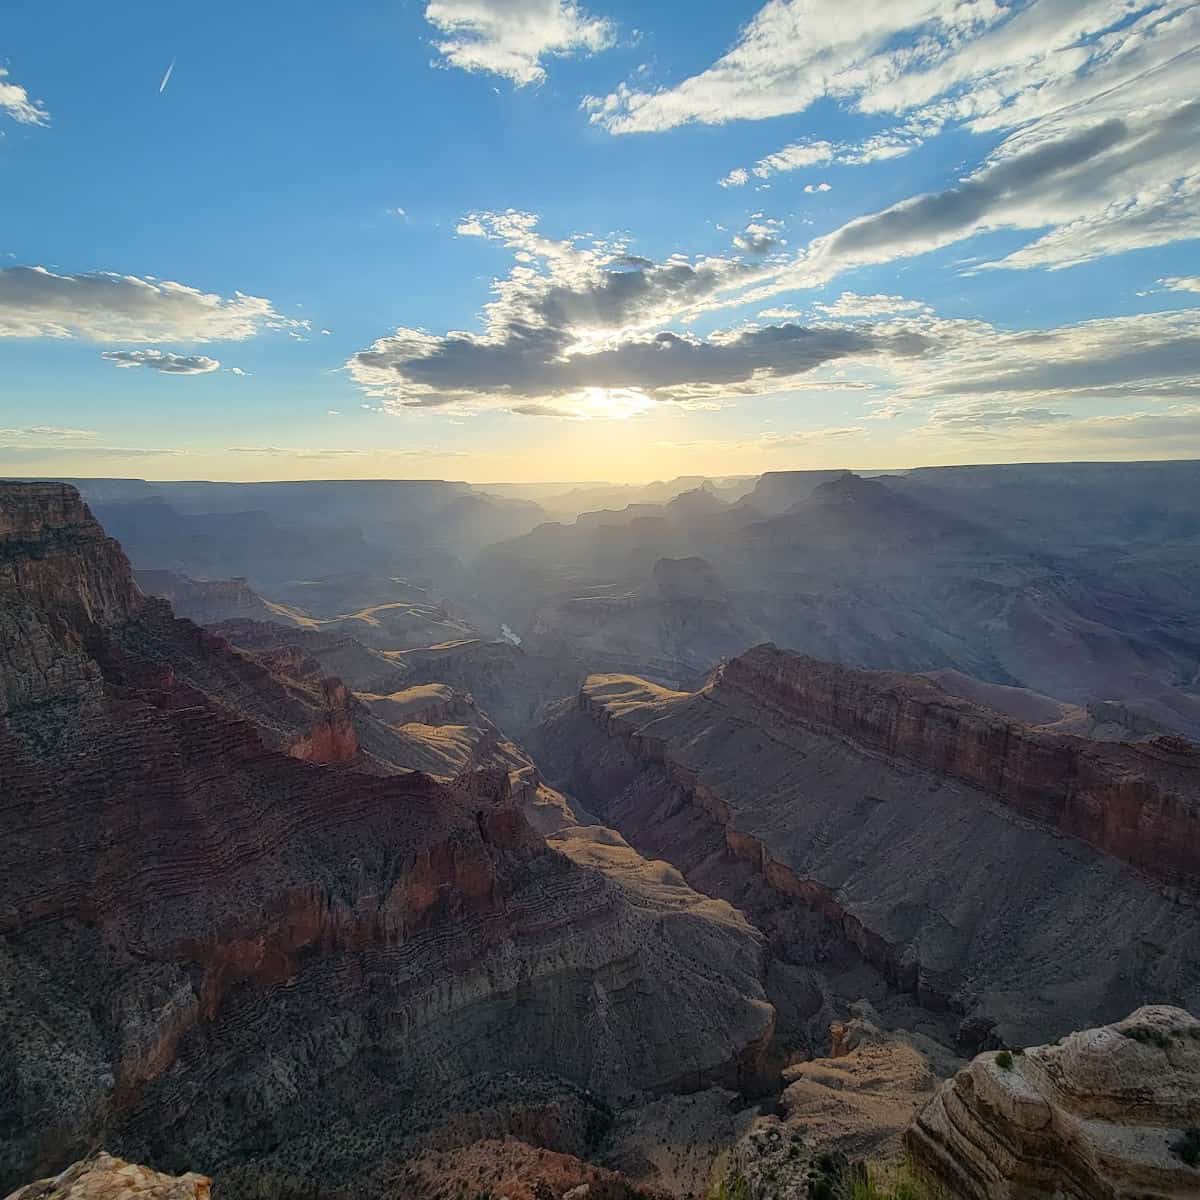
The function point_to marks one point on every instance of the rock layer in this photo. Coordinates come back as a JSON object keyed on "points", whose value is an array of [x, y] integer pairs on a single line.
{"points": [[1101, 1116], [1139, 803]]}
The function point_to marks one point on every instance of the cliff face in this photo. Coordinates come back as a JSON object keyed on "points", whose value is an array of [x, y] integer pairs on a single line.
{"points": [[224, 944], [59, 577], [1139, 803], [900, 820], [1102, 1116]]}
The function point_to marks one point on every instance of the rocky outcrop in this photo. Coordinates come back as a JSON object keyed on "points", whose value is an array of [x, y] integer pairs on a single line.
{"points": [[108, 1178], [221, 944], [1107, 1114], [1140, 803], [882, 832]]}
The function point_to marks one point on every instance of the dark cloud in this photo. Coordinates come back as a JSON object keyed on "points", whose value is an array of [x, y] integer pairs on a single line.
{"points": [[159, 360]]}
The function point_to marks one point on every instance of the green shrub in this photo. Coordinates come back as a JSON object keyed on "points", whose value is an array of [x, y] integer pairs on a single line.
{"points": [[1004, 1060]]}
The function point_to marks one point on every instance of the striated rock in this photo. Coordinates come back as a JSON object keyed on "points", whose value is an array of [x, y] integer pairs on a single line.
{"points": [[1102, 1115], [108, 1178], [224, 943], [1013, 878], [1138, 803]]}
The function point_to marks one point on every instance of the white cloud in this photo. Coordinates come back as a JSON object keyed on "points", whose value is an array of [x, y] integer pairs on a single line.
{"points": [[1151, 356], [167, 363], [104, 307], [817, 187], [791, 54], [1115, 184], [1181, 283], [852, 305], [16, 104], [309, 452], [38, 434], [989, 65], [807, 437], [894, 144], [511, 37], [760, 236]]}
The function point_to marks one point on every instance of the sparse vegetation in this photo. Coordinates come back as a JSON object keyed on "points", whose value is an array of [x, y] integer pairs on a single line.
{"points": [[731, 1187], [1148, 1035], [1004, 1060], [902, 1183]]}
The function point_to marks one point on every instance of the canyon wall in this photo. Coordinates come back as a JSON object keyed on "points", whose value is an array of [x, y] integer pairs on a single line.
{"points": [[1137, 802], [963, 899]]}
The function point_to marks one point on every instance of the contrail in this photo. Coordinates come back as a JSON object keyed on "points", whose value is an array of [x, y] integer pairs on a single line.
{"points": [[162, 87]]}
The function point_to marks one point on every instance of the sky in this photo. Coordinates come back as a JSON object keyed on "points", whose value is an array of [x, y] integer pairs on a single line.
{"points": [[516, 240]]}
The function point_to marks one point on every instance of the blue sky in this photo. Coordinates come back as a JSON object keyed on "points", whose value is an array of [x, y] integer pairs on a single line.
{"points": [[721, 239]]}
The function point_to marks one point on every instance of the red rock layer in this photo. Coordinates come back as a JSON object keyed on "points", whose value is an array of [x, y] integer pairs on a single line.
{"points": [[1138, 802]]}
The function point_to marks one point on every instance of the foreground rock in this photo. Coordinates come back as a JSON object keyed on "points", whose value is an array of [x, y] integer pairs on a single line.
{"points": [[1104, 1115], [108, 1178]]}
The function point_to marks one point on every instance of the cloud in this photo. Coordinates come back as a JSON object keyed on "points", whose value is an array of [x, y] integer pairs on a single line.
{"points": [[852, 305], [894, 144], [1115, 184], [578, 331], [32, 453], [168, 364], [987, 65], [104, 307], [817, 187], [1181, 283], [807, 437], [760, 236], [308, 452], [16, 104], [24, 435], [786, 57], [772, 441], [1152, 355], [511, 37]]}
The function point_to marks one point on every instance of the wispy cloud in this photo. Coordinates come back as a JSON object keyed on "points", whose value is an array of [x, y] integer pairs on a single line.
{"points": [[798, 155], [162, 87]]}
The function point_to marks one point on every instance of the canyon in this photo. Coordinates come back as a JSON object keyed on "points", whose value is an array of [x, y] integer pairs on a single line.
{"points": [[423, 865]]}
